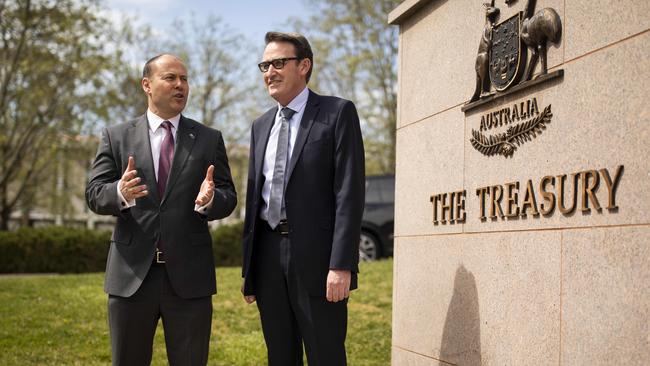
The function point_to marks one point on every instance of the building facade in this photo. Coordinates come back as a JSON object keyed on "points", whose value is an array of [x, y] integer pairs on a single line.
{"points": [[522, 212]]}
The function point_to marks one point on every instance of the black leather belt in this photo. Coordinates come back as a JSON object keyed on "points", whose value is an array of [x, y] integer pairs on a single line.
{"points": [[282, 228]]}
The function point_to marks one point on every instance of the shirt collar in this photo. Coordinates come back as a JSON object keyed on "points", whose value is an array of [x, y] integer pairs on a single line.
{"points": [[155, 121], [298, 103]]}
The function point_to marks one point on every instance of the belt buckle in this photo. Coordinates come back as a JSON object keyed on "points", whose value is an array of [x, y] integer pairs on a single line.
{"points": [[159, 258], [283, 227]]}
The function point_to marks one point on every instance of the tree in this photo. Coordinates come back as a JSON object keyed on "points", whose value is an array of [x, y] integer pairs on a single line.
{"points": [[52, 74], [355, 56], [131, 46], [223, 92], [219, 63]]}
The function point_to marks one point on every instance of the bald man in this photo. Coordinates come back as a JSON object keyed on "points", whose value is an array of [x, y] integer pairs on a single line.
{"points": [[164, 176]]}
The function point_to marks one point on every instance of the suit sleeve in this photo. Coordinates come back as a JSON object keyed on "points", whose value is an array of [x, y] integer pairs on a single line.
{"points": [[250, 180], [101, 190], [250, 214], [225, 196], [349, 189]]}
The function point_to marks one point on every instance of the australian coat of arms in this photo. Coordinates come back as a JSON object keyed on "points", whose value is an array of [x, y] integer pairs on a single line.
{"points": [[501, 65]]}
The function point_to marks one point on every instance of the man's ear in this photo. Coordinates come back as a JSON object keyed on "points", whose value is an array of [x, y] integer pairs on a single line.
{"points": [[146, 86], [305, 65]]}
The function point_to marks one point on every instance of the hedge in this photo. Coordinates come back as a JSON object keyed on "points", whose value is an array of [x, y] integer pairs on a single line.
{"points": [[71, 250], [227, 245]]}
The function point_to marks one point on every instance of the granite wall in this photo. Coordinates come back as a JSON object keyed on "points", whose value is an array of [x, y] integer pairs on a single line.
{"points": [[511, 280]]}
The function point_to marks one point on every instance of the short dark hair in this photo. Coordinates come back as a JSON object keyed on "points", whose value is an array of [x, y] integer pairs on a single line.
{"points": [[299, 42]]}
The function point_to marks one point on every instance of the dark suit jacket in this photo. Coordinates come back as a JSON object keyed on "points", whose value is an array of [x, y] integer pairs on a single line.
{"points": [[324, 195], [183, 232]]}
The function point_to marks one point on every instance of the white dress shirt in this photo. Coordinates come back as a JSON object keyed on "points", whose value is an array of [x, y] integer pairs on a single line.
{"points": [[298, 105], [156, 137]]}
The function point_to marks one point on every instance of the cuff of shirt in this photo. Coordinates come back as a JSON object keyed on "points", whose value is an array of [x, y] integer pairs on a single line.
{"points": [[124, 204], [203, 210]]}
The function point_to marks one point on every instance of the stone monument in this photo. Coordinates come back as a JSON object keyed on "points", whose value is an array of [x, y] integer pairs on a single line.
{"points": [[522, 212]]}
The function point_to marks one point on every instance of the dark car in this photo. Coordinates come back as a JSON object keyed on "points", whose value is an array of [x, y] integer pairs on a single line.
{"points": [[378, 217]]}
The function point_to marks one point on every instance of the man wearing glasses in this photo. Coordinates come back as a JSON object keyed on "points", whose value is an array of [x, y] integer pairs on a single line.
{"points": [[303, 210]]}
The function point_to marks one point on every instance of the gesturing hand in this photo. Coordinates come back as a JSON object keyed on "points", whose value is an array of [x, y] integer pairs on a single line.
{"points": [[338, 285], [207, 188], [128, 183]]}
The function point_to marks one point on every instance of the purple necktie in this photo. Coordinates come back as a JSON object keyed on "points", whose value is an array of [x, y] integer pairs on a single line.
{"points": [[165, 161]]}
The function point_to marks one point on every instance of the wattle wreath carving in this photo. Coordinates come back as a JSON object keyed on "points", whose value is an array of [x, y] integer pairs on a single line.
{"points": [[506, 143]]}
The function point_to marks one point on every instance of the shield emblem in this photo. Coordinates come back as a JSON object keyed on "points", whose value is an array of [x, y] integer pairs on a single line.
{"points": [[508, 53]]}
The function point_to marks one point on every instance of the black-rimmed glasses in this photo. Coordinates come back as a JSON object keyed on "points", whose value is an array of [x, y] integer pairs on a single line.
{"points": [[278, 63]]}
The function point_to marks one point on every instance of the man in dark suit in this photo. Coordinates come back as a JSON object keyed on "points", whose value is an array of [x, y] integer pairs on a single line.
{"points": [[304, 203], [164, 176]]}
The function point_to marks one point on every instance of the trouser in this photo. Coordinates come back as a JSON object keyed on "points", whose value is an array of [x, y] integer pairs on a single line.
{"points": [[133, 321], [289, 315]]}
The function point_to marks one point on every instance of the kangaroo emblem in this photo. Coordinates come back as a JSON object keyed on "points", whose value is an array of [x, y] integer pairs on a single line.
{"points": [[537, 29], [483, 57]]}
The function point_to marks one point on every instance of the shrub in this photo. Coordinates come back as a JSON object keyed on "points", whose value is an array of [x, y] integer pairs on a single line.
{"points": [[227, 245], [72, 250], [53, 249]]}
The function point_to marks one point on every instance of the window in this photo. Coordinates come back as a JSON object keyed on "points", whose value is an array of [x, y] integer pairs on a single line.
{"points": [[380, 189], [373, 191]]}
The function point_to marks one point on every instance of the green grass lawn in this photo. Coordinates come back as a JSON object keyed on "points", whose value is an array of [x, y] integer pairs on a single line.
{"points": [[61, 320]]}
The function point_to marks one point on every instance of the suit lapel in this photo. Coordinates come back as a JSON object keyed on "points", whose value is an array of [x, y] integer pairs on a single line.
{"points": [[182, 148], [311, 109], [142, 154], [260, 146]]}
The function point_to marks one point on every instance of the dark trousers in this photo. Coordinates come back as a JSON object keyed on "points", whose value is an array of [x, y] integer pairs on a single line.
{"points": [[289, 315], [133, 322]]}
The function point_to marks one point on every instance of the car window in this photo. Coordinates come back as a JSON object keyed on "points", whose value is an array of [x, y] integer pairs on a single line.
{"points": [[373, 192], [380, 190], [388, 189]]}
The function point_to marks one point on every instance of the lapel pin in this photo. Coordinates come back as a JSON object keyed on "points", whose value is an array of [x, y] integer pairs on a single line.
{"points": [[192, 136]]}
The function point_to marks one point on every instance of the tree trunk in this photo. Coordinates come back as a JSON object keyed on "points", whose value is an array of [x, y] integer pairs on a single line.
{"points": [[5, 212]]}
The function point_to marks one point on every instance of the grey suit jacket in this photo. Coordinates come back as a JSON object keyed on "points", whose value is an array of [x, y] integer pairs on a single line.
{"points": [[183, 232], [324, 195]]}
